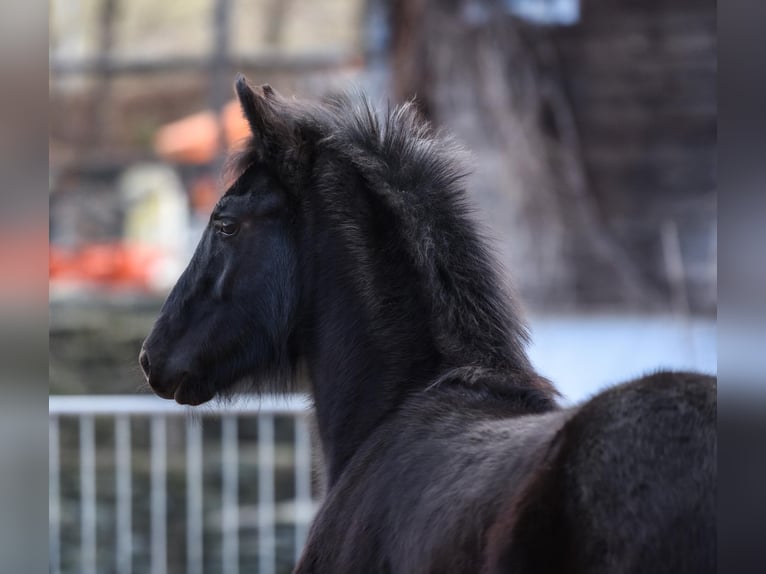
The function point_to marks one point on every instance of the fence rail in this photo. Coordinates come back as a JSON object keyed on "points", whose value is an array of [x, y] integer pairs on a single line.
{"points": [[86, 409]]}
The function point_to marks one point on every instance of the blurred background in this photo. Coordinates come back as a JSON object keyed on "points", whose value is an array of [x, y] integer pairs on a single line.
{"points": [[592, 125]]}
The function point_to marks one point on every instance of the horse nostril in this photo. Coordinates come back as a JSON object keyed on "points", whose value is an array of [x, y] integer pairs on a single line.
{"points": [[143, 360]]}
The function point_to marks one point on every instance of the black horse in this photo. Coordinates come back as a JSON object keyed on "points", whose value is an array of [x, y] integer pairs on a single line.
{"points": [[344, 248]]}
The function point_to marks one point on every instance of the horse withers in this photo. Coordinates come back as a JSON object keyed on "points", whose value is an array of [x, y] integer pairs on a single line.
{"points": [[344, 248]]}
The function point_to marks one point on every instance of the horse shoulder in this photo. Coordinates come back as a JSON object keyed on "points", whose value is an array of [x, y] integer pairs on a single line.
{"points": [[420, 494]]}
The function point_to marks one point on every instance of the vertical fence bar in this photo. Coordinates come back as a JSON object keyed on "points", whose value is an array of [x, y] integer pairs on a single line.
{"points": [[124, 554], [194, 553], [87, 495], [229, 494], [303, 505], [54, 497], [158, 496], [266, 538]]}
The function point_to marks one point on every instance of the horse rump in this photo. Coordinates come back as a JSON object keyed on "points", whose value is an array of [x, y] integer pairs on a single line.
{"points": [[628, 485]]}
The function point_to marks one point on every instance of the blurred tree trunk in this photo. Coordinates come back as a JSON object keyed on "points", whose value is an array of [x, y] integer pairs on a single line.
{"points": [[493, 82]]}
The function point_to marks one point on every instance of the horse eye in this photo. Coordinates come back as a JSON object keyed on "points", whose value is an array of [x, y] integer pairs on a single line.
{"points": [[228, 228]]}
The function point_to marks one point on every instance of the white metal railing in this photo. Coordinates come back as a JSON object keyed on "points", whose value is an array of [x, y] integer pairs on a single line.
{"points": [[121, 408]]}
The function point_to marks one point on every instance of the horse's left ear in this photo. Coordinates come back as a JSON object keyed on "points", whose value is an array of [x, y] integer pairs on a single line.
{"points": [[264, 113], [255, 104]]}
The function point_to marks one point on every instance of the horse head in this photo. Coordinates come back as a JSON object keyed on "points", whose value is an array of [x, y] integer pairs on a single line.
{"points": [[232, 314]]}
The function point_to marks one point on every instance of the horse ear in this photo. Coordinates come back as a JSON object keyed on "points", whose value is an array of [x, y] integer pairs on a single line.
{"points": [[256, 106], [278, 135]]}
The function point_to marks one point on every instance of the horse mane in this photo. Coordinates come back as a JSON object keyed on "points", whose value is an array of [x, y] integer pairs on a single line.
{"points": [[418, 174]]}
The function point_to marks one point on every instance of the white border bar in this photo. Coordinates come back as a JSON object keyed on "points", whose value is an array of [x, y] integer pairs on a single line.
{"points": [[150, 405]]}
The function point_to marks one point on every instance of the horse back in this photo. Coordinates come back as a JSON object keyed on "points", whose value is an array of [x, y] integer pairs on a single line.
{"points": [[627, 485]]}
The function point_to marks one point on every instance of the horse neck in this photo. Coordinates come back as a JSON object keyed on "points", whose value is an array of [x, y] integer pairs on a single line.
{"points": [[368, 347], [370, 340]]}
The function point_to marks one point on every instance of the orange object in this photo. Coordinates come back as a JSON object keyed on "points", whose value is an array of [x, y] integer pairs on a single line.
{"points": [[105, 264], [195, 138]]}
